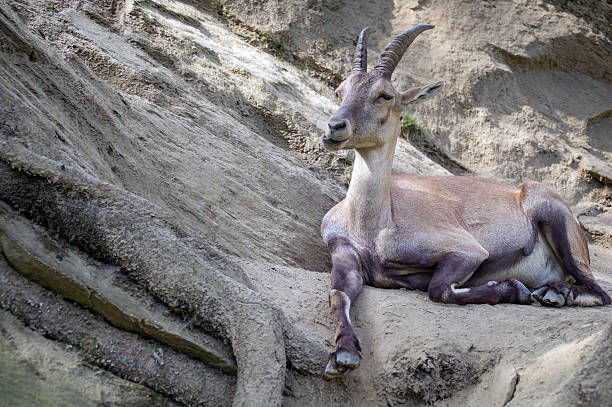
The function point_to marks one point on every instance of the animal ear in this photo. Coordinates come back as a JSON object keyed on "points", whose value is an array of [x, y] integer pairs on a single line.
{"points": [[420, 93]]}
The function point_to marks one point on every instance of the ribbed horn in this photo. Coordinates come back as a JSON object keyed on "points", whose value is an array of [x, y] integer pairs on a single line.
{"points": [[360, 63], [393, 52]]}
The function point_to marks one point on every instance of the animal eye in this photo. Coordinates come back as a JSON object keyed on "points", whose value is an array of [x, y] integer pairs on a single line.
{"points": [[386, 96], [337, 95]]}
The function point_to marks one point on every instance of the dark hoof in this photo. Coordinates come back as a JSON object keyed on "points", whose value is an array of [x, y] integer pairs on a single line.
{"points": [[605, 298], [333, 369], [563, 293], [347, 359], [548, 296], [553, 299], [538, 294], [341, 362]]}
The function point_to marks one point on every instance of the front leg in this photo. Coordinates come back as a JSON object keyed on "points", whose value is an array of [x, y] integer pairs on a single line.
{"points": [[346, 282]]}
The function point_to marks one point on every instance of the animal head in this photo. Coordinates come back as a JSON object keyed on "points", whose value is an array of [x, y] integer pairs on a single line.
{"points": [[370, 107]]}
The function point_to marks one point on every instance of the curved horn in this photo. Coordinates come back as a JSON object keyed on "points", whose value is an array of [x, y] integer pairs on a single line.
{"points": [[396, 48], [360, 63]]}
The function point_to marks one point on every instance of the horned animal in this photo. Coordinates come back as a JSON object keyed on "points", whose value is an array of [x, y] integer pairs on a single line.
{"points": [[462, 239]]}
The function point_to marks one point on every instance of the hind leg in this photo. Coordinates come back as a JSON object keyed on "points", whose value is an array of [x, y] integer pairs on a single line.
{"points": [[545, 208], [458, 265], [564, 293]]}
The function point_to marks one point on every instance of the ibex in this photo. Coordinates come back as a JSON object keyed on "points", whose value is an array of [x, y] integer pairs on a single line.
{"points": [[464, 240]]}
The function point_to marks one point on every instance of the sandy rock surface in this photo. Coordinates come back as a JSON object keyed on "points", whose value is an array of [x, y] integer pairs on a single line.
{"points": [[529, 83], [213, 112], [36, 371]]}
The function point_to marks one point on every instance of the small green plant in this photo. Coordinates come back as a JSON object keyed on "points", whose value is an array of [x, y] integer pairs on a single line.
{"points": [[279, 47], [50, 6], [411, 126]]}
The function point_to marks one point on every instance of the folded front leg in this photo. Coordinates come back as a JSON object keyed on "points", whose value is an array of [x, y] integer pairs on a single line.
{"points": [[456, 268]]}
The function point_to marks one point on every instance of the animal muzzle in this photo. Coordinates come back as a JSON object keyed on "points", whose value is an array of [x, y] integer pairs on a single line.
{"points": [[337, 133]]}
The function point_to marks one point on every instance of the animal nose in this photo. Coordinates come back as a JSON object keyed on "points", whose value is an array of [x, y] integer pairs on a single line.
{"points": [[337, 126]]}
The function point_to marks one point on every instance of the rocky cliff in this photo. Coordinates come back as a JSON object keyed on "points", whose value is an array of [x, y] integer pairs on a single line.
{"points": [[162, 183]]}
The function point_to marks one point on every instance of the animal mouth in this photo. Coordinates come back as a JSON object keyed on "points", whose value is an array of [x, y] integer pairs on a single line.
{"points": [[332, 144]]}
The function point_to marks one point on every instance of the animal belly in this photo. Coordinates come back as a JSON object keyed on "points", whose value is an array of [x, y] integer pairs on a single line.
{"points": [[541, 267], [400, 270]]}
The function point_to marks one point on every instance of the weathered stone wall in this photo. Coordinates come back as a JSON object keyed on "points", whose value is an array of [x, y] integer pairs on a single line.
{"points": [[173, 148]]}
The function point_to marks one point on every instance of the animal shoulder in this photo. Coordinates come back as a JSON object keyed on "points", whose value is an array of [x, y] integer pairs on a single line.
{"points": [[334, 223]]}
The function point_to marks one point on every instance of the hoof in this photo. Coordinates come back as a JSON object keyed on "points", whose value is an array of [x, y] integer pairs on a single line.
{"points": [[553, 299], [333, 370], [347, 359], [341, 362], [548, 296], [564, 293], [538, 294]]}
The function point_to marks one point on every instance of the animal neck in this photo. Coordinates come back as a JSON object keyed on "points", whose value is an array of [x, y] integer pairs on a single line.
{"points": [[368, 195]]}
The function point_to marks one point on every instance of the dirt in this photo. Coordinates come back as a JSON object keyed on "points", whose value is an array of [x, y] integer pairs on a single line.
{"points": [[417, 351], [197, 124]]}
